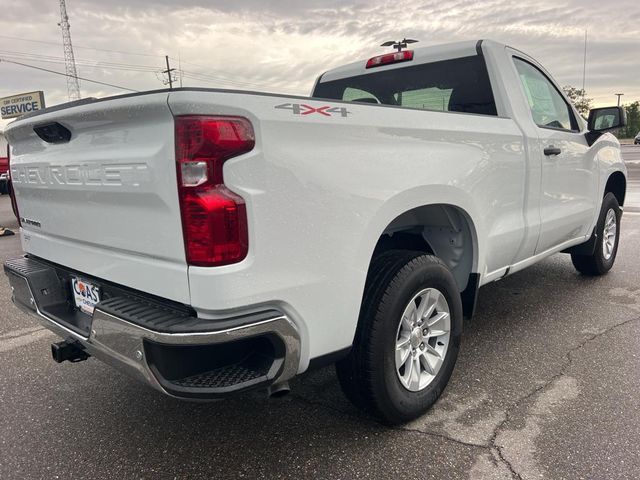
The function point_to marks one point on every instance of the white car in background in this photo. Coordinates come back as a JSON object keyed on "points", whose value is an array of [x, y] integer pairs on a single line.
{"points": [[636, 141]]}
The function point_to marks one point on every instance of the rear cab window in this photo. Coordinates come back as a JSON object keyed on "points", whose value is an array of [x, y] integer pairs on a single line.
{"points": [[456, 85]]}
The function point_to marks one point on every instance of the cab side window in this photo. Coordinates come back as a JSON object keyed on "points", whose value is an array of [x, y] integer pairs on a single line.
{"points": [[548, 108], [432, 98], [357, 95]]}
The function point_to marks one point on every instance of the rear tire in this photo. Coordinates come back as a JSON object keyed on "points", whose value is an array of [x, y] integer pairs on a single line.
{"points": [[408, 337], [606, 248]]}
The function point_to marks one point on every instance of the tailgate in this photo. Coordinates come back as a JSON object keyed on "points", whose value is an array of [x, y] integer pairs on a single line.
{"points": [[104, 202]]}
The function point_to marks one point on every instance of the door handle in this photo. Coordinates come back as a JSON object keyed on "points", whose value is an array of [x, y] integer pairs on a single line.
{"points": [[551, 150]]}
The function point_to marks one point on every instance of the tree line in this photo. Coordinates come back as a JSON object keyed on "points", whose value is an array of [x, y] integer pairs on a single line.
{"points": [[633, 121], [583, 104]]}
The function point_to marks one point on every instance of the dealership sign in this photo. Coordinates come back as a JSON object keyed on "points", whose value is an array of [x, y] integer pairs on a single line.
{"points": [[16, 105]]}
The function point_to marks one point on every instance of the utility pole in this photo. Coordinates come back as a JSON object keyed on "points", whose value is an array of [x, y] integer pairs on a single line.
{"points": [[168, 71], [584, 66], [73, 87], [619, 95]]}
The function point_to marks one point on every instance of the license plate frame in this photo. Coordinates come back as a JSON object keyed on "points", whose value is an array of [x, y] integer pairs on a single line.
{"points": [[86, 295]]}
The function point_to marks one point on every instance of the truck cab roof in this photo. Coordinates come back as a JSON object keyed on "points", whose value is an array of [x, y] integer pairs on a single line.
{"points": [[420, 55]]}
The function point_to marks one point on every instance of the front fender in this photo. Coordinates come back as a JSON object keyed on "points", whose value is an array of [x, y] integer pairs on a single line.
{"points": [[609, 160]]}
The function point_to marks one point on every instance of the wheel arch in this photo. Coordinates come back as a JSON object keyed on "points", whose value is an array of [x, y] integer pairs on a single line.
{"points": [[617, 184], [444, 229], [447, 232]]}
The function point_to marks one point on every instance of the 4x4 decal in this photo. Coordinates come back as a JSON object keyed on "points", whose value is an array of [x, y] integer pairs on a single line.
{"points": [[303, 109]]}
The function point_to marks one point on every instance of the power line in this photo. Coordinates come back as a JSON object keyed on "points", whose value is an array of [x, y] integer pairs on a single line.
{"points": [[19, 57], [221, 83], [41, 55], [199, 76], [34, 57], [84, 79], [82, 47], [203, 77], [221, 79], [217, 79]]}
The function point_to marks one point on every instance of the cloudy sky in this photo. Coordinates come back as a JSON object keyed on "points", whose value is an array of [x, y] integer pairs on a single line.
{"points": [[282, 45]]}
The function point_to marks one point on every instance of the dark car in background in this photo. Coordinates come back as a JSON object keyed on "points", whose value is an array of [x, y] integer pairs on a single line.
{"points": [[4, 184]]}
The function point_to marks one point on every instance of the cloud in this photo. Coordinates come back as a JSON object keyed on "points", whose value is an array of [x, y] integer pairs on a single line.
{"points": [[281, 46]]}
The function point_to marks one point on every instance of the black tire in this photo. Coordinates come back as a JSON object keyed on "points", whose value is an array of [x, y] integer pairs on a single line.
{"points": [[368, 375], [596, 263]]}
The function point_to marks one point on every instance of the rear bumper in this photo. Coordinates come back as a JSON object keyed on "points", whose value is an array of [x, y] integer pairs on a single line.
{"points": [[168, 349]]}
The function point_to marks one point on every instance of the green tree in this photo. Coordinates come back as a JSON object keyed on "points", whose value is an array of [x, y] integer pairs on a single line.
{"points": [[579, 99], [633, 121]]}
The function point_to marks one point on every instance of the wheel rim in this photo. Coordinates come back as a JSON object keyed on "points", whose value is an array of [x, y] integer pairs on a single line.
{"points": [[609, 234], [422, 339]]}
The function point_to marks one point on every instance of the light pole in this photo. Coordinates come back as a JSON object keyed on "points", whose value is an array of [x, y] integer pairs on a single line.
{"points": [[618, 95]]}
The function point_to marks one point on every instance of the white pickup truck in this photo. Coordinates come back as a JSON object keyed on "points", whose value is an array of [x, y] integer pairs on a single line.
{"points": [[210, 241]]}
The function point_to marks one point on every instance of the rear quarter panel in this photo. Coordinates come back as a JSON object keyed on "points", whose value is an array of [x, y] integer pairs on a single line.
{"points": [[320, 190]]}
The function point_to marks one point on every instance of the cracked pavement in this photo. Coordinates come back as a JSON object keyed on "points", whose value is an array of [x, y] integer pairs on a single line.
{"points": [[546, 386]]}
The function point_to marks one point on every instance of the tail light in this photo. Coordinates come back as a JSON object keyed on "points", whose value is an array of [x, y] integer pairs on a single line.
{"points": [[14, 202], [389, 58], [214, 219]]}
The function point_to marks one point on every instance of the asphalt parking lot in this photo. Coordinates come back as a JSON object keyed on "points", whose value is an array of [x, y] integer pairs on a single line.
{"points": [[547, 386]]}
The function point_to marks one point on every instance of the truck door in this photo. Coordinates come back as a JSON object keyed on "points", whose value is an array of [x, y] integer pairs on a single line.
{"points": [[569, 175]]}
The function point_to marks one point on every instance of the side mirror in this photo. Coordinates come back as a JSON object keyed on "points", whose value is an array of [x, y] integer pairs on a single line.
{"points": [[607, 118]]}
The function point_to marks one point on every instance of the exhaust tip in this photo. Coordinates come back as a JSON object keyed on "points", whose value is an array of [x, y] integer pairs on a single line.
{"points": [[278, 390]]}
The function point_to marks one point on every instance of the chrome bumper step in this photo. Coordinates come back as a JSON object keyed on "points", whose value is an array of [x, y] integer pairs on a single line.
{"points": [[168, 348]]}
